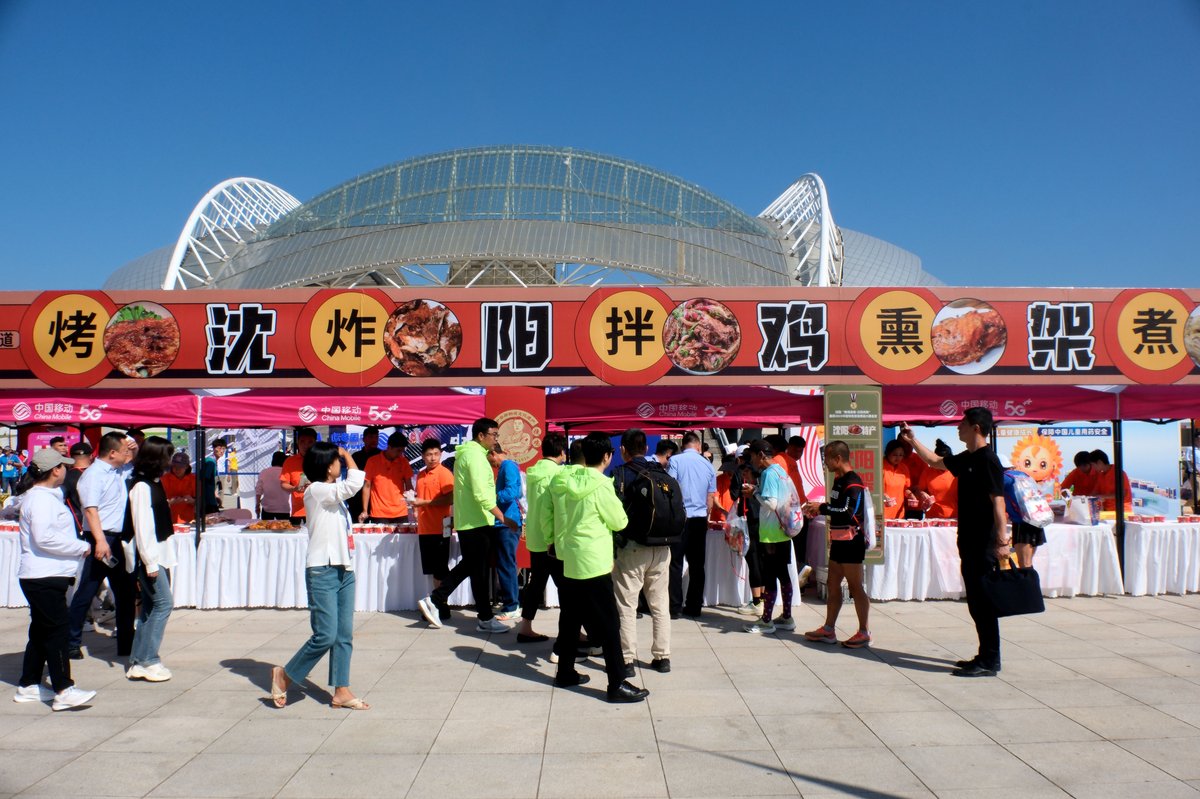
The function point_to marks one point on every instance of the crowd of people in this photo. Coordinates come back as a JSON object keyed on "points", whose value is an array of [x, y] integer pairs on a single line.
{"points": [[613, 540]]}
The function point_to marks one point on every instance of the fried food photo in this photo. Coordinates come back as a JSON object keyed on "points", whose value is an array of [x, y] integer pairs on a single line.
{"points": [[142, 339], [422, 338], [702, 336], [965, 339]]}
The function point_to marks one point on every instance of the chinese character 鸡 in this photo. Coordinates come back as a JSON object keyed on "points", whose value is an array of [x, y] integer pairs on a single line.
{"points": [[794, 334], [633, 326], [361, 327], [75, 332], [899, 331], [516, 334], [237, 340], [1060, 336]]}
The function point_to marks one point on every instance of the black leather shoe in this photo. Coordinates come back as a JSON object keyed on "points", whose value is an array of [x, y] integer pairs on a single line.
{"points": [[661, 665], [691, 614], [676, 615], [572, 679], [75, 654], [625, 693], [962, 664], [975, 670], [629, 670], [536, 638]]}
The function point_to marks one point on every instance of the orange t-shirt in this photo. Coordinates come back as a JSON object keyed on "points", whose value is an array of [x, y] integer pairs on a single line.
{"points": [[792, 467], [724, 498], [181, 512], [431, 484], [895, 480], [1081, 483], [292, 473], [916, 467], [943, 487], [388, 481], [1107, 484]]}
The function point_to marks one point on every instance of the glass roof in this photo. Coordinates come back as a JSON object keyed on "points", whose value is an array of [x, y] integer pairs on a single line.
{"points": [[516, 182]]}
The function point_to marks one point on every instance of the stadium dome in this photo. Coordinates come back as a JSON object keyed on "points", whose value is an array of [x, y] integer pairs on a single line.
{"points": [[513, 215]]}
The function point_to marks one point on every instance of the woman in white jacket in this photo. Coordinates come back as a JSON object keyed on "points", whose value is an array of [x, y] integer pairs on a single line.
{"points": [[148, 524], [50, 556], [329, 577]]}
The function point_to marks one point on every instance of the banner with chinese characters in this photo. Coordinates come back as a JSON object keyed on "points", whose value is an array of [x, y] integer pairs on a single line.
{"points": [[553, 336], [854, 414]]}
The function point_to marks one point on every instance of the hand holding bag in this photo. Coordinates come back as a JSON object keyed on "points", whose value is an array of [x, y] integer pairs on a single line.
{"points": [[1014, 591]]}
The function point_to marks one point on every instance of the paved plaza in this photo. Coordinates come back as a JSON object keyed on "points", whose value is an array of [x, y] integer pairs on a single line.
{"points": [[1098, 697]]}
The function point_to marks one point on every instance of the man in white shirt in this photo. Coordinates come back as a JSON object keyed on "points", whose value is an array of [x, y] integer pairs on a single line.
{"points": [[103, 495], [698, 482]]}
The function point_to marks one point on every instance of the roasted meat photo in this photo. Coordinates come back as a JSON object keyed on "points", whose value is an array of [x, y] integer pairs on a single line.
{"points": [[422, 338], [966, 339], [702, 336], [141, 340]]}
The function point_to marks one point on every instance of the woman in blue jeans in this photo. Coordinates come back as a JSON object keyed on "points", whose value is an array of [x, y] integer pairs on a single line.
{"points": [[148, 524], [329, 576]]}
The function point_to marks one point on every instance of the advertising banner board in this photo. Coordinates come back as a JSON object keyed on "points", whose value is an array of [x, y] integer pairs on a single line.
{"points": [[854, 414]]}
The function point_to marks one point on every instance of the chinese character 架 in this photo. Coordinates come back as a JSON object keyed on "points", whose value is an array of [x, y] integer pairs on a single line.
{"points": [[1060, 336]]}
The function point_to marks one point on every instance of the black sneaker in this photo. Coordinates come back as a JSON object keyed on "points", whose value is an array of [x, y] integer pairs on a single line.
{"points": [[75, 653], [626, 693], [691, 614], [661, 665], [974, 670], [629, 671]]}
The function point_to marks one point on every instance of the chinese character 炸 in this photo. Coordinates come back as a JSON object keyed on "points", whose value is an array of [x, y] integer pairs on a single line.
{"points": [[362, 328]]}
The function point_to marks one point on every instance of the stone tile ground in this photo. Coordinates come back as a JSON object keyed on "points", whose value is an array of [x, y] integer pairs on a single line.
{"points": [[1099, 697]]}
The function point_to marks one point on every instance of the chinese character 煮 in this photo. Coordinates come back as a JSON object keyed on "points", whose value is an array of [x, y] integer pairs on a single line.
{"points": [[1155, 331]]}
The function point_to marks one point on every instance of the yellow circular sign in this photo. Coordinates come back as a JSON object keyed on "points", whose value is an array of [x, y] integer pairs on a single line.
{"points": [[347, 332], [895, 330], [1150, 331], [626, 331], [519, 436], [68, 335]]}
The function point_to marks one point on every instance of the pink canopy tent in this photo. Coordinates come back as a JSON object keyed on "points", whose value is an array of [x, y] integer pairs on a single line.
{"points": [[384, 408], [1158, 402], [662, 407], [123, 408], [1013, 403]]}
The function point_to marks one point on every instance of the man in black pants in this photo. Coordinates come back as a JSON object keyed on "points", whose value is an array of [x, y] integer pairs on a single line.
{"points": [[475, 511], [698, 482], [982, 528]]}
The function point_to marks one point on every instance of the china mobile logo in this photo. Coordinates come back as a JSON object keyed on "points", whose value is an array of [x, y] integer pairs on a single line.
{"points": [[645, 410], [949, 408], [22, 411], [87, 414], [307, 414]]}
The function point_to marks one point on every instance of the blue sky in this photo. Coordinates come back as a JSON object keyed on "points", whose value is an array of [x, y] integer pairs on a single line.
{"points": [[1005, 143]]}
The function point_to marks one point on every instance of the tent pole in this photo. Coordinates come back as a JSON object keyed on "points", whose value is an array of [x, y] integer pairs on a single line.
{"points": [[1192, 461], [1119, 483], [201, 446]]}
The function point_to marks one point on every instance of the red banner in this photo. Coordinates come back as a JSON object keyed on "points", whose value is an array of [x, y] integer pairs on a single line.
{"points": [[544, 336]]}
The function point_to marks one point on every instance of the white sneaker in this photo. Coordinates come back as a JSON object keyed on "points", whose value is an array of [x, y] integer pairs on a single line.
{"points": [[492, 626], [509, 615], [71, 697], [155, 673], [33, 693], [802, 577], [553, 660], [788, 624], [761, 627], [429, 611], [749, 609]]}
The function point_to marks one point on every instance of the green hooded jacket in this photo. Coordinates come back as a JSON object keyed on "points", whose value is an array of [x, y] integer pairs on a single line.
{"points": [[474, 487], [537, 483], [590, 513]]}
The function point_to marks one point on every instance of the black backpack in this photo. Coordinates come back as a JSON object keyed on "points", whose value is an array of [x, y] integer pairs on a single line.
{"points": [[653, 502]]}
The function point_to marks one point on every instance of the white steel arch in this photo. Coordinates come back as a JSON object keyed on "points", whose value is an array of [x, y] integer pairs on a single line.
{"points": [[802, 213], [216, 225]]}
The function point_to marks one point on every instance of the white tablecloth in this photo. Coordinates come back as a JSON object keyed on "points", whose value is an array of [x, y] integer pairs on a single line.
{"points": [[238, 569], [923, 563], [10, 555], [1162, 558]]}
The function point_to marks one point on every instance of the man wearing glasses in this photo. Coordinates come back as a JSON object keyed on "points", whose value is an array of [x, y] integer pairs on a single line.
{"points": [[475, 511]]}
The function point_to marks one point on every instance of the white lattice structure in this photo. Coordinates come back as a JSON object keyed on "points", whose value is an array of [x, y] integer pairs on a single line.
{"points": [[802, 214], [215, 230]]}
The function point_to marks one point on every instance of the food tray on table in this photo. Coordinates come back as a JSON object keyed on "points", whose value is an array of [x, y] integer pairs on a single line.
{"points": [[268, 526], [384, 529]]}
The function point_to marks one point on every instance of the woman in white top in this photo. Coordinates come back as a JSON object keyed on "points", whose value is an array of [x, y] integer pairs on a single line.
{"points": [[148, 523], [329, 577], [50, 557]]}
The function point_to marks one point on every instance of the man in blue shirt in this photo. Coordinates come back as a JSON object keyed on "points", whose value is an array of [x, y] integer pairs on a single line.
{"points": [[103, 495], [508, 495], [698, 482]]}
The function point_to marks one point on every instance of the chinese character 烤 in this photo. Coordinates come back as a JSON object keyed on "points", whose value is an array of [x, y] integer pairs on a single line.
{"points": [[76, 332], [1155, 331], [794, 334], [899, 331], [1060, 336], [632, 325], [237, 340], [516, 334]]}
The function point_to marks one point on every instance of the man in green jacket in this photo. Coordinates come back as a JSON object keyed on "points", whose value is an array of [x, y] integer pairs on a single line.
{"points": [[591, 512], [539, 524], [475, 511]]}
